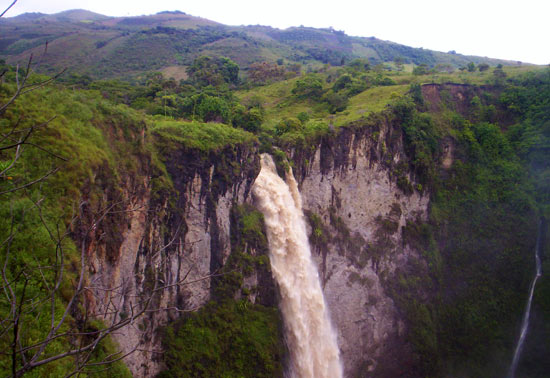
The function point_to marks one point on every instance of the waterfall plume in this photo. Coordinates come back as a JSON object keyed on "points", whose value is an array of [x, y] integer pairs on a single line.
{"points": [[527, 313], [309, 334]]}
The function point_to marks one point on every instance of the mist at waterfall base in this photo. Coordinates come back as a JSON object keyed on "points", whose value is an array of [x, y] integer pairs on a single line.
{"points": [[527, 313], [309, 334]]}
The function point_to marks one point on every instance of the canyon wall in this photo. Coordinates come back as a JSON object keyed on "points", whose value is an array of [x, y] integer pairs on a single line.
{"points": [[358, 194], [349, 188]]}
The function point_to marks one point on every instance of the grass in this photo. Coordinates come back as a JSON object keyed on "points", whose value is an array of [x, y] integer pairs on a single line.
{"points": [[460, 77], [202, 136], [279, 103], [372, 100]]}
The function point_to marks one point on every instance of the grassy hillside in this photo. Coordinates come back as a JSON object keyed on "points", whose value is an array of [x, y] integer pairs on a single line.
{"points": [[101, 46]]}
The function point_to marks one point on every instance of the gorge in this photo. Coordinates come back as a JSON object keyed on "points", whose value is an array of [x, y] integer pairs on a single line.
{"points": [[345, 187], [310, 205], [367, 220]]}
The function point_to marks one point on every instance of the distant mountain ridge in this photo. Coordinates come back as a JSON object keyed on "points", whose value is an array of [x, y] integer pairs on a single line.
{"points": [[80, 15], [101, 46], [27, 16], [72, 15]]}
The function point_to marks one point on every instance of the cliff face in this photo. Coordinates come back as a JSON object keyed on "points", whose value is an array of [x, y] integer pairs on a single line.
{"points": [[349, 189], [356, 211], [170, 248]]}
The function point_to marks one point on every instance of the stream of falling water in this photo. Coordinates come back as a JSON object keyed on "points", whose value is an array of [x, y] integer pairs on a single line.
{"points": [[308, 331], [527, 313]]}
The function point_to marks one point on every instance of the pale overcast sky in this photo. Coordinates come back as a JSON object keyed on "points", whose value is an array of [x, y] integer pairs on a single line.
{"points": [[506, 29]]}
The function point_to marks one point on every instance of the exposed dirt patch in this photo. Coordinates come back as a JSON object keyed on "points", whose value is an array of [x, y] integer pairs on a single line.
{"points": [[460, 96], [448, 153], [175, 72]]}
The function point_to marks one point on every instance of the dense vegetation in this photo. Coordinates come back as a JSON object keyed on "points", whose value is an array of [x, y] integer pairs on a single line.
{"points": [[93, 137], [481, 236], [232, 337], [41, 223]]}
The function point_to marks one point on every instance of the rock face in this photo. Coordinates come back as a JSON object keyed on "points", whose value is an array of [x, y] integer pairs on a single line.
{"points": [[169, 251], [349, 187], [356, 211]]}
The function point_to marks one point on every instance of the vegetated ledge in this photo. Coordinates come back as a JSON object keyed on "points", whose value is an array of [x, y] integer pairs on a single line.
{"points": [[205, 137], [191, 148], [464, 98], [338, 146]]}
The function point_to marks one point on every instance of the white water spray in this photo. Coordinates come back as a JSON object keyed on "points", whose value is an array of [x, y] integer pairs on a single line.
{"points": [[309, 333], [527, 313]]}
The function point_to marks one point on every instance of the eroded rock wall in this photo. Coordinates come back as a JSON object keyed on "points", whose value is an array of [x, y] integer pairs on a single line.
{"points": [[349, 185], [170, 249]]}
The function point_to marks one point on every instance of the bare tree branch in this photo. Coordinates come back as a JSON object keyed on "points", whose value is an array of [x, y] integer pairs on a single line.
{"points": [[89, 340], [31, 183], [8, 8]]}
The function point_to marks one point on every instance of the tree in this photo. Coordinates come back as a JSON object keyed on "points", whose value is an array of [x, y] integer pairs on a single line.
{"points": [[337, 102], [421, 69], [295, 67], [248, 119], [471, 67], [399, 61], [499, 75], [230, 70], [309, 86], [207, 70], [360, 64], [213, 109], [342, 82], [444, 67], [303, 117], [482, 67], [264, 72], [287, 125]]}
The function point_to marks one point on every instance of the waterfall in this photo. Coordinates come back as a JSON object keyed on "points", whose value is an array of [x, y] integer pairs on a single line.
{"points": [[309, 334], [527, 313]]}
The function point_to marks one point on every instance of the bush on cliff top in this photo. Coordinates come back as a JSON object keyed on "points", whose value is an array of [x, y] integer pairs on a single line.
{"points": [[202, 136]]}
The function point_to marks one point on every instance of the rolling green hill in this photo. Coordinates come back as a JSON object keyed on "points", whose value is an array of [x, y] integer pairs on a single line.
{"points": [[88, 43]]}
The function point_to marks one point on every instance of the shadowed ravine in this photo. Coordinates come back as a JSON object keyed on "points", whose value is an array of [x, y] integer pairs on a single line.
{"points": [[308, 331], [527, 313]]}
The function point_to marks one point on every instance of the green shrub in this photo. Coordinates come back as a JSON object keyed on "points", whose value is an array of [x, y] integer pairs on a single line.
{"points": [[337, 102], [232, 339], [309, 86]]}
